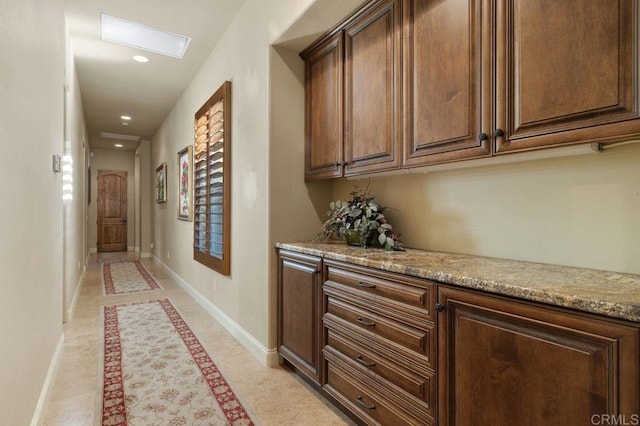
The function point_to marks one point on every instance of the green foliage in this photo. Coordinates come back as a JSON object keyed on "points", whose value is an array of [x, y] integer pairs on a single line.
{"points": [[360, 213]]}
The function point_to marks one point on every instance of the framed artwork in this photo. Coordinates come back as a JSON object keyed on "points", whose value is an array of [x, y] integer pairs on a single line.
{"points": [[161, 183], [185, 184]]}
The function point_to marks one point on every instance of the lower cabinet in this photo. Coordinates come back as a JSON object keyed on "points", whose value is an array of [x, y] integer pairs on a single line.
{"points": [[396, 350], [503, 362], [300, 313]]}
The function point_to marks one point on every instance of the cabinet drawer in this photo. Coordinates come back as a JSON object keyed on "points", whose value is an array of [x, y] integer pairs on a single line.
{"points": [[380, 367], [412, 338], [366, 401], [410, 295]]}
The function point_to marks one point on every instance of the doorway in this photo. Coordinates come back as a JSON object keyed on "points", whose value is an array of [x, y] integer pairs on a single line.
{"points": [[112, 211]]}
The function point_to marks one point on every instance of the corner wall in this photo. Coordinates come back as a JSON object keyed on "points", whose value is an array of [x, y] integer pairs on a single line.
{"points": [[31, 222]]}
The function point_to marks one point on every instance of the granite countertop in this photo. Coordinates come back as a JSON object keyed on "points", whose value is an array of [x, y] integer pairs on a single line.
{"points": [[606, 293]]}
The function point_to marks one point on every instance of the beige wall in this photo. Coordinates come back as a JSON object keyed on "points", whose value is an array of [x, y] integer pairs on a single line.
{"points": [[577, 211], [241, 56], [31, 131], [75, 209], [106, 159]]}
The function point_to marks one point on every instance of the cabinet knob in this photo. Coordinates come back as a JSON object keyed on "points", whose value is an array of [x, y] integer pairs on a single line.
{"points": [[482, 137], [365, 363], [439, 307], [499, 133], [364, 285]]}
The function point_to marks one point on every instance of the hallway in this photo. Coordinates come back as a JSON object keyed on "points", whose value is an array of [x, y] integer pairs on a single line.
{"points": [[271, 396]]}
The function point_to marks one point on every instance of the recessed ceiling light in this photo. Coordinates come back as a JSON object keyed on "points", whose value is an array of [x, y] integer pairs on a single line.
{"points": [[125, 117], [143, 37], [124, 123], [119, 145], [140, 58]]}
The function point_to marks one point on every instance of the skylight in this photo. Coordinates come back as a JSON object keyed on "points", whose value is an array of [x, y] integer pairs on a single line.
{"points": [[132, 34]]}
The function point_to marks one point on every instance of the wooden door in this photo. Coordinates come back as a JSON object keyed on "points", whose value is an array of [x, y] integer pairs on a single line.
{"points": [[372, 90], [503, 362], [323, 109], [112, 211], [566, 72], [299, 312], [447, 80]]}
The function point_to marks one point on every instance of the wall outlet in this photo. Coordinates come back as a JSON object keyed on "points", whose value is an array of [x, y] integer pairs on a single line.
{"points": [[215, 285], [168, 254], [151, 245]]}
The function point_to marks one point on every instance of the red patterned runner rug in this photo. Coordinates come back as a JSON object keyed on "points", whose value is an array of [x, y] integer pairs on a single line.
{"points": [[127, 277], [156, 372]]}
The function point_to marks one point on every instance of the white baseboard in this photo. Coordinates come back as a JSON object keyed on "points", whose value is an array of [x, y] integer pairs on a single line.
{"points": [[74, 301], [145, 254], [48, 382], [130, 248], [93, 250], [267, 357]]}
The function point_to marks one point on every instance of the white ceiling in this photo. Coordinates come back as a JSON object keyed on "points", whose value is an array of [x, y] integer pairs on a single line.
{"points": [[113, 84]]}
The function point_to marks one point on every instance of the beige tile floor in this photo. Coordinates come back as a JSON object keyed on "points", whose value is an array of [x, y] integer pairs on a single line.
{"points": [[272, 396]]}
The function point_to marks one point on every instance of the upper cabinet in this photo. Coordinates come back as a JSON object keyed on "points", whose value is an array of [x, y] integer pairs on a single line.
{"points": [[352, 95], [447, 81], [323, 109], [372, 91], [566, 72], [436, 81]]}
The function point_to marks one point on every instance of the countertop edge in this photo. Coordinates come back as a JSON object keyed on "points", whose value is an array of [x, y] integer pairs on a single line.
{"points": [[548, 296]]}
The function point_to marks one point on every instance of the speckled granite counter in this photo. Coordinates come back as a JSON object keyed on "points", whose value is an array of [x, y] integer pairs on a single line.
{"points": [[611, 294]]}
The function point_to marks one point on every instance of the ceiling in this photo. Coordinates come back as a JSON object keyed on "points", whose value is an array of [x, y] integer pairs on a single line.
{"points": [[113, 84]]}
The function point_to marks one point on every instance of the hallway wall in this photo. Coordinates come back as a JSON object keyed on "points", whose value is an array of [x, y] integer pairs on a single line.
{"points": [[242, 56], [107, 159], [31, 131]]}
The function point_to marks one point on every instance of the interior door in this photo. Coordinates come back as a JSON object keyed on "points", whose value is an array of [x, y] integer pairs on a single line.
{"points": [[112, 210]]}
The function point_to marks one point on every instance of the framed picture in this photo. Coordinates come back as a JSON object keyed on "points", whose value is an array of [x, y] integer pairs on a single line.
{"points": [[161, 183], [185, 184]]}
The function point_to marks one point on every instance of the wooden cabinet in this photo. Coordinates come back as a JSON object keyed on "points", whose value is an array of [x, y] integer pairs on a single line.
{"points": [[323, 109], [380, 344], [352, 95], [299, 312], [372, 90], [447, 80], [398, 350], [566, 72], [503, 362]]}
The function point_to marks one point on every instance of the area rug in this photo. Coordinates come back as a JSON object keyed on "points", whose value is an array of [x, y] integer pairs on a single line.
{"points": [[127, 277], [156, 372]]}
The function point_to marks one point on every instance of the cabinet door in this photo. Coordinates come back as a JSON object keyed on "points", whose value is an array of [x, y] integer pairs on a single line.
{"points": [[566, 72], [299, 312], [323, 109], [372, 90], [503, 362], [447, 83]]}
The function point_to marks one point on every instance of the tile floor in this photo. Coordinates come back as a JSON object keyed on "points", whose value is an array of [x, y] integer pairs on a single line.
{"points": [[272, 396]]}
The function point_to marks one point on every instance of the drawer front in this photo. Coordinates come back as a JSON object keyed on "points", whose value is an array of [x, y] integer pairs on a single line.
{"points": [[417, 296], [376, 364], [409, 337], [365, 402]]}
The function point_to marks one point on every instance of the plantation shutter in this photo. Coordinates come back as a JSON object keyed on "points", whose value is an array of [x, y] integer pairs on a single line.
{"points": [[212, 182]]}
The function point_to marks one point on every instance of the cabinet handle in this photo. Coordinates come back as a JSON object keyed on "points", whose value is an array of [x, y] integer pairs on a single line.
{"points": [[364, 404], [363, 285], [363, 362], [499, 133], [345, 164], [363, 322], [439, 307], [336, 164], [482, 137]]}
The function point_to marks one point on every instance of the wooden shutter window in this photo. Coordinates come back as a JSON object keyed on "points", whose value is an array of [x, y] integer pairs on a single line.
{"points": [[212, 182]]}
